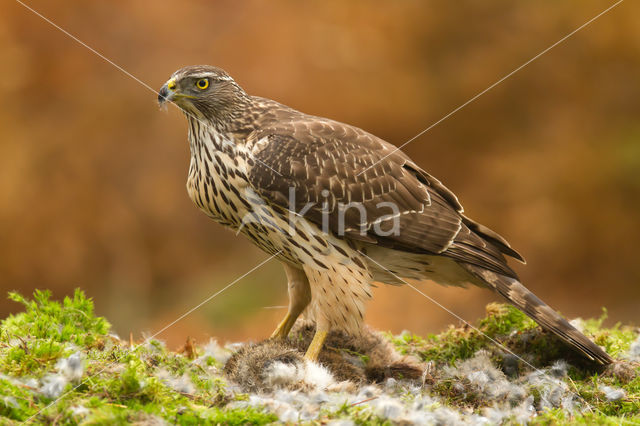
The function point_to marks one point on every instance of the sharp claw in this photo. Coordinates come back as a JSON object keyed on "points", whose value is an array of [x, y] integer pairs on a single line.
{"points": [[282, 331]]}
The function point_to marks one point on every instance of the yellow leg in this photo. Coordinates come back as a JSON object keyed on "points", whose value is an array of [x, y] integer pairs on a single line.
{"points": [[283, 329], [299, 298], [316, 345]]}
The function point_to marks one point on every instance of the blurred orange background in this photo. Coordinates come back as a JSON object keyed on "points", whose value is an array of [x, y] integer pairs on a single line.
{"points": [[92, 173]]}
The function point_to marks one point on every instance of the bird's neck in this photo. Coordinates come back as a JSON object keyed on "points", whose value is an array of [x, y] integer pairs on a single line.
{"points": [[219, 135]]}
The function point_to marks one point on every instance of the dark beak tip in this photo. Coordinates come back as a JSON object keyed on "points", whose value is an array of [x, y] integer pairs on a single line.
{"points": [[163, 94]]}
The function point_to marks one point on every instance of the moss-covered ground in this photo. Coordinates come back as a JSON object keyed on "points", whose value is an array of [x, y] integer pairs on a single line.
{"points": [[60, 365], [537, 350]]}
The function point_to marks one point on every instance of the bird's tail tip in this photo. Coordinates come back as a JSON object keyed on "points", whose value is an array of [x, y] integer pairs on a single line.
{"points": [[519, 296]]}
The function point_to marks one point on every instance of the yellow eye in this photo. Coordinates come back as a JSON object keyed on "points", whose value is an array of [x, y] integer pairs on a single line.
{"points": [[203, 83]]}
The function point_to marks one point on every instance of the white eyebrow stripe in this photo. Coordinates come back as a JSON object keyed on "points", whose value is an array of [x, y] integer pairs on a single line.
{"points": [[212, 76]]}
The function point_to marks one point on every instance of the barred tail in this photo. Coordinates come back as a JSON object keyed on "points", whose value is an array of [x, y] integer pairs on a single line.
{"points": [[519, 296]]}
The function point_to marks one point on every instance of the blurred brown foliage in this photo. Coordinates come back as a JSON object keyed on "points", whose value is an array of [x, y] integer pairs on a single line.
{"points": [[92, 174]]}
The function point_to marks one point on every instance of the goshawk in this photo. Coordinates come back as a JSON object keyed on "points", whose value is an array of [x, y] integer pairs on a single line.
{"points": [[338, 206]]}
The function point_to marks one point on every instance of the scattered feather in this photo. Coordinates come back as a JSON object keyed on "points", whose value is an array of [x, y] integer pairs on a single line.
{"points": [[389, 408], [72, 368], [53, 385], [79, 410], [341, 422], [613, 394], [634, 350], [10, 401], [317, 376], [214, 350], [181, 384]]}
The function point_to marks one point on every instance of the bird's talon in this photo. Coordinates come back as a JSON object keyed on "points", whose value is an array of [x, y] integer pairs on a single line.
{"points": [[314, 349]]}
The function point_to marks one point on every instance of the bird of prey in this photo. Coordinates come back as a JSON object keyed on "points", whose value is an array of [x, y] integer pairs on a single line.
{"points": [[339, 207]]}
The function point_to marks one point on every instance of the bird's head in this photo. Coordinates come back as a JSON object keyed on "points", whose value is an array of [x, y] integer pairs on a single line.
{"points": [[202, 90]]}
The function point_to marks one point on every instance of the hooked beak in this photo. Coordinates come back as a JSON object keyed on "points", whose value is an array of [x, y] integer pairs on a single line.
{"points": [[167, 92], [163, 95], [170, 93]]}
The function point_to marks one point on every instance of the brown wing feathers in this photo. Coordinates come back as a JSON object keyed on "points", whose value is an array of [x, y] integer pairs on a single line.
{"points": [[325, 155], [313, 155]]}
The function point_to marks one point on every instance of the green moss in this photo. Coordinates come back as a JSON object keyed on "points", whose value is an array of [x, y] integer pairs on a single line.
{"points": [[502, 323], [14, 402], [121, 384], [359, 414], [616, 340], [73, 321], [46, 331], [124, 385], [236, 417], [514, 330]]}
